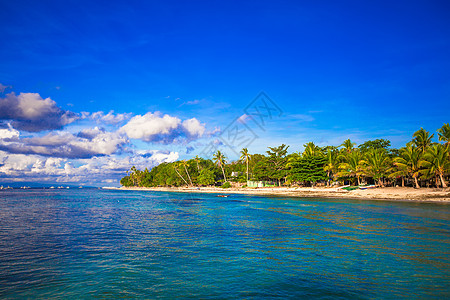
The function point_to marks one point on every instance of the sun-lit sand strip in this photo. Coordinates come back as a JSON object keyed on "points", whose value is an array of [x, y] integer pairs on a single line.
{"points": [[389, 193]]}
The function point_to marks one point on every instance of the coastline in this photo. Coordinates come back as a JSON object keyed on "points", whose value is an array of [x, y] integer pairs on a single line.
{"points": [[386, 194]]}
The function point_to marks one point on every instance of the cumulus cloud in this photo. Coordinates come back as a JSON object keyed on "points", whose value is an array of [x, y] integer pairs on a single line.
{"points": [[96, 169], [193, 128], [110, 118], [30, 112], [163, 129], [86, 144], [8, 133]]}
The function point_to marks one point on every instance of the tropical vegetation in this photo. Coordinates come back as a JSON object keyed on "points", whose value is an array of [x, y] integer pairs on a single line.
{"points": [[420, 163]]}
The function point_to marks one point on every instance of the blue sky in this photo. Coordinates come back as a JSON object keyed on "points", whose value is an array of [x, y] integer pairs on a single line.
{"points": [[353, 69]]}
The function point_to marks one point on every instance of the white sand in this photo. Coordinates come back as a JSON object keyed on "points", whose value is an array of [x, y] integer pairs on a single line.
{"points": [[389, 193]]}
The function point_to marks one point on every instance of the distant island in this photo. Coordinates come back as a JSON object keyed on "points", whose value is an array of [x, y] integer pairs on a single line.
{"points": [[421, 163]]}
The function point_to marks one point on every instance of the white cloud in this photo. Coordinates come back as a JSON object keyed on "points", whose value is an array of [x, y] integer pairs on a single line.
{"points": [[9, 133], [150, 127], [193, 127], [96, 169], [166, 129], [30, 112], [88, 143], [110, 118]]}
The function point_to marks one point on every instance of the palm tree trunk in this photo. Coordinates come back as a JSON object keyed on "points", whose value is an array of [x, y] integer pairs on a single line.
{"points": [[223, 172], [247, 169], [416, 182], [358, 180], [444, 185], [403, 181], [188, 175], [181, 176]]}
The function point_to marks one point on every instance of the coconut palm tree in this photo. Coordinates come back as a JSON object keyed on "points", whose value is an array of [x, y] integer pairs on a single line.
{"points": [[197, 160], [311, 150], [352, 166], [185, 165], [444, 135], [422, 139], [397, 171], [409, 160], [245, 156], [435, 161], [377, 164], [332, 163], [220, 160], [348, 145]]}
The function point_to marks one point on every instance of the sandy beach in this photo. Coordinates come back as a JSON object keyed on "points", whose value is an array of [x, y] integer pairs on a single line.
{"points": [[387, 193]]}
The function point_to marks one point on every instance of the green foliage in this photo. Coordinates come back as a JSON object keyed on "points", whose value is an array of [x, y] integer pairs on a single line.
{"points": [[409, 162], [420, 160], [221, 160], [435, 162], [374, 144], [308, 169], [347, 145], [376, 164], [261, 170], [312, 150], [226, 185], [125, 181], [422, 139], [352, 165], [276, 163], [206, 177]]}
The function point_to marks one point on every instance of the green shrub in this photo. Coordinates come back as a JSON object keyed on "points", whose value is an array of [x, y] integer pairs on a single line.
{"points": [[226, 185]]}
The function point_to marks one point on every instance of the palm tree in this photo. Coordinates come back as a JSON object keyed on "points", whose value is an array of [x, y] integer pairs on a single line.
{"points": [[409, 160], [397, 170], [220, 160], [377, 164], [422, 139], [435, 162], [197, 160], [185, 165], [348, 145], [353, 165], [245, 156], [332, 163], [311, 150], [444, 135], [133, 175]]}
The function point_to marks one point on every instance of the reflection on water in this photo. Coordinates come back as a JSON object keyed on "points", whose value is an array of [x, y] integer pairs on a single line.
{"points": [[95, 243]]}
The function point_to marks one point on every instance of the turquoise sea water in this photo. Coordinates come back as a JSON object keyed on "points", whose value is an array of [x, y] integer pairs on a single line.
{"points": [[88, 243]]}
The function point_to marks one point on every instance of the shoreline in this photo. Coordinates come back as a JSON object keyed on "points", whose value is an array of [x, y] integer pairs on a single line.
{"points": [[386, 194]]}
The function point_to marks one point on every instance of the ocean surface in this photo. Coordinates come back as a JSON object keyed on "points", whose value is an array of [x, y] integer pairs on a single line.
{"points": [[90, 243]]}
